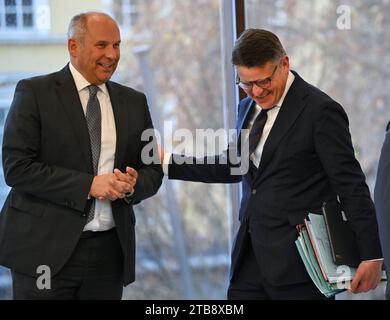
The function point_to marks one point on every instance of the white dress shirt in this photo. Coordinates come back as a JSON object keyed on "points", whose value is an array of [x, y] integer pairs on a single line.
{"points": [[271, 117], [103, 219]]}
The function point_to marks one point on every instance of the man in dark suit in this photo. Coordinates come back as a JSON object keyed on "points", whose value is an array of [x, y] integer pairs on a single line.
{"points": [[382, 202], [300, 155], [72, 156]]}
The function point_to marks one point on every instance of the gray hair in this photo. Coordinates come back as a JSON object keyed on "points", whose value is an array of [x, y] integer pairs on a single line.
{"points": [[78, 24]]}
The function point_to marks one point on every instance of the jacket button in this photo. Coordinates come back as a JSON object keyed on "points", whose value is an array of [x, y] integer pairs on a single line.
{"points": [[254, 191]]}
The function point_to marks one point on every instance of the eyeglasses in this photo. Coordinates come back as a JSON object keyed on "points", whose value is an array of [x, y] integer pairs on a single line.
{"points": [[264, 83]]}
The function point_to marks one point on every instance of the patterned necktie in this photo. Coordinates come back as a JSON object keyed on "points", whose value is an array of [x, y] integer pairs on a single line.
{"points": [[94, 123], [257, 130]]}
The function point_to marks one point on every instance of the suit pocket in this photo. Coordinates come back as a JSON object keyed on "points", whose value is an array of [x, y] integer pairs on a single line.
{"points": [[296, 217], [27, 204]]}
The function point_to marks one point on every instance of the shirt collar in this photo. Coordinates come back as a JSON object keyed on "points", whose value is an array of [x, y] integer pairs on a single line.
{"points": [[289, 82], [81, 82]]}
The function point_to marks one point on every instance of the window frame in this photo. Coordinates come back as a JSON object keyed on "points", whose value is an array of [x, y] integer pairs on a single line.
{"points": [[37, 9], [128, 13]]}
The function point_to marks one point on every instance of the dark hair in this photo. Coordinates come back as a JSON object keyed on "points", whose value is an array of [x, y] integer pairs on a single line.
{"points": [[256, 47]]}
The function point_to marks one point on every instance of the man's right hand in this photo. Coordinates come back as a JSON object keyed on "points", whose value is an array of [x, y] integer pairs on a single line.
{"points": [[107, 186]]}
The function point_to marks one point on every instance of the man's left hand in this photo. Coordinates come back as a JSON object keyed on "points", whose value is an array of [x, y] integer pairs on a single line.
{"points": [[367, 277], [129, 177]]}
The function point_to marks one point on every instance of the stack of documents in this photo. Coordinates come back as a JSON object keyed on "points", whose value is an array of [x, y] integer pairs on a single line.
{"points": [[314, 248]]}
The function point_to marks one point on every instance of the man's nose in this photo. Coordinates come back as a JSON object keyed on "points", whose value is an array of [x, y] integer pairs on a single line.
{"points": [[257, 91], [112, 53]]}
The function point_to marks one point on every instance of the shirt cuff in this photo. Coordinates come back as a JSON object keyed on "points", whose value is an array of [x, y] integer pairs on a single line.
{"points": [[129, 194], [379, 259], [166, 161]]}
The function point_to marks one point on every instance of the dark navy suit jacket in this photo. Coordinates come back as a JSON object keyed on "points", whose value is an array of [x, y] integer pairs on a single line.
{"points": [[308, 158]]}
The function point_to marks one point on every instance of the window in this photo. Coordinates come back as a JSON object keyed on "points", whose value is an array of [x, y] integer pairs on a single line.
{"points": [[126, 12], [16, 14], [342, 47], [20, 16], [174, 54]]}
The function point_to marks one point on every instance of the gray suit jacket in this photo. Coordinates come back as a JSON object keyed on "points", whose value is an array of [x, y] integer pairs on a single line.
{"points": [[48, 164]]}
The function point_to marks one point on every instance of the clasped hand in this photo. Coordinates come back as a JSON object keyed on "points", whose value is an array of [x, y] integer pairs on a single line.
{"points": [[113, 186]]}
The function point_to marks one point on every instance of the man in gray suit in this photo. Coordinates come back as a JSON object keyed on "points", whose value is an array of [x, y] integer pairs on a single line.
{"points": [[72, 156]]}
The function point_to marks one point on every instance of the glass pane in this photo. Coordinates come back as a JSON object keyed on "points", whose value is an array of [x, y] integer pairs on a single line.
{"points": [[343, 53], [174, 56], [342, 48], [133, 18], [10, 20], [27, 20], [27, 3], [117, 11], [176, 60], [10, 3]]}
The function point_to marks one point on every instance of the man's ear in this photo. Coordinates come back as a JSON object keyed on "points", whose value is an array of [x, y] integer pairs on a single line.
{"points": [[286, 62], [73, 47]]}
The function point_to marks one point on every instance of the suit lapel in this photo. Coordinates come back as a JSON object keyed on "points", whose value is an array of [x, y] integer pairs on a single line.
{"points": [[121, 123], [69, 97], [292, 106]]}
